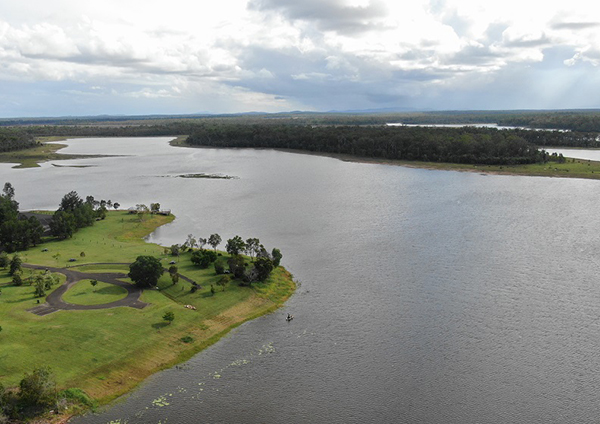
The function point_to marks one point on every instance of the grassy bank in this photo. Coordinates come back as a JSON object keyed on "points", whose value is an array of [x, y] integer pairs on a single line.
{"points": [[572, 168], [107, 352], [31, 158]]}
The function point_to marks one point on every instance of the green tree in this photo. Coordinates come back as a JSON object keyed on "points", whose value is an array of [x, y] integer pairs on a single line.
{"points": [[252, 247], [235, 245], [237, 266], [154, 207], [214, 240], [145, 271], [94, 283], [38, 388], [190, 242], [276, 254], [223, 281], [17, 280], [71, 201], [15, 265], [173, 269], [169, 317], [175, 278], [263, 266], [63, 224], [141, 210], [4, 261], [175, 249], [219, 266], [203, 258], [40, 287]]}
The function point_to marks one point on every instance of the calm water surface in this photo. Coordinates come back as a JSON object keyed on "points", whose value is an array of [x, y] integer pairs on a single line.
{"points": [[425, 297]]}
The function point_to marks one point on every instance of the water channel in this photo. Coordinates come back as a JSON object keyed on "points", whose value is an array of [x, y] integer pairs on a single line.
{"points": [[425, 297]]}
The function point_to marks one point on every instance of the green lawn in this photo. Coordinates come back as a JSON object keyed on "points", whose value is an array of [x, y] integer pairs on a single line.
{"points": [[107, 352], [83, 293]]}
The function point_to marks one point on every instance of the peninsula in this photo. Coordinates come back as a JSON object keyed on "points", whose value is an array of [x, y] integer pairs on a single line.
{"points": [[97, 331]]}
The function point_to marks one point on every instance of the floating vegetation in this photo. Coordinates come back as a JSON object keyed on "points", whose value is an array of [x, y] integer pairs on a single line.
{"points": [[211, 176], [268, 348], [239, 363], [161, 401]]}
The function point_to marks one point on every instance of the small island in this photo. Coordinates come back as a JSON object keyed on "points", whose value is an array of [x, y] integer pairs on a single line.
{"points": [[80, 312]]}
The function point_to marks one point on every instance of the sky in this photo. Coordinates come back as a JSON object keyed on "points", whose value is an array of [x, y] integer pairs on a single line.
{"points": [[134, 57]]}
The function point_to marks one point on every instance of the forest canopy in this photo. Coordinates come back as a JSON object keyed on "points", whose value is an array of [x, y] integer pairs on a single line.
{"points": [[457, 145]]}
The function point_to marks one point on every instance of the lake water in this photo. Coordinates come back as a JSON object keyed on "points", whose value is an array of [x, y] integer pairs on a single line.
{"points": [[425, 297]]}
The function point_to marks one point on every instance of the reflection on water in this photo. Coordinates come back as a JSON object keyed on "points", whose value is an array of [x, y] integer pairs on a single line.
{"points": [[425, 297]]}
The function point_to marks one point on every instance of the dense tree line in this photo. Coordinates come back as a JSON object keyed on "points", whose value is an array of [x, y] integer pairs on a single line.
{"points": [[583, 125], [74, 213], [458, 145], [15, 139], [17, 232]]}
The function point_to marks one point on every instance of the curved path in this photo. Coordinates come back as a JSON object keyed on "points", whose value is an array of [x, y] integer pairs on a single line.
{"points": [[54, 300]]}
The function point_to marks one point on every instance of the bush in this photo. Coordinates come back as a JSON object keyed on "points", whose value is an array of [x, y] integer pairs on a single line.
{"points": [[219, 267], [203, 258], [38, 388], [237, 266], [76, 395]]}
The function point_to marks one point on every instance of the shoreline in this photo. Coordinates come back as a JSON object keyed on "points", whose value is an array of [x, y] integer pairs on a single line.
{"points": [[139, 346], [548, 170]]}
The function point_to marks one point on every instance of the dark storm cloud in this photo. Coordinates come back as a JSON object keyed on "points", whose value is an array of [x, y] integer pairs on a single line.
{"points": [[327, 15]]}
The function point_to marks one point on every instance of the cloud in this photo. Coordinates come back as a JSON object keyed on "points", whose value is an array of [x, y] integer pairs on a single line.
{"points": [[574, 26], [328, 15], [275, 54]]}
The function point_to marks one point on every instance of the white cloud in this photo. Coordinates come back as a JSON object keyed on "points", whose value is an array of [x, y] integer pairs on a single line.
{"points": [[272, 54]]}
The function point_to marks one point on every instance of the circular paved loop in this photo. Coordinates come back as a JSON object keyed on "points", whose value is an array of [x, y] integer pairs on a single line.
{"points": [[54, 300]]}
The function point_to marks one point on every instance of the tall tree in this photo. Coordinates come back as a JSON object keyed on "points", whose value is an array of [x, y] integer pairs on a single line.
{"points": [[145, 271], [214, 240], [235, 245]]}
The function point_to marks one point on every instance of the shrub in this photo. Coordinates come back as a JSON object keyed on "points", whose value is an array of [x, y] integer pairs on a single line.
{"points": [[203, 258], [219, 267]]}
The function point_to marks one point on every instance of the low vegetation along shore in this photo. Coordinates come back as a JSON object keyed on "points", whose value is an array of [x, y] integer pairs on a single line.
{"points": [[106, 352]]}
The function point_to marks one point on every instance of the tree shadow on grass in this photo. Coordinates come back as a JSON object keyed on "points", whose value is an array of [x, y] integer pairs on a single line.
{"points": [[112, 289], [160, 325]]}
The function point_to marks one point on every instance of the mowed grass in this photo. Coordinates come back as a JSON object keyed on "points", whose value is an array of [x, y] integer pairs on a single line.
{"points": [[108, 352], [83, 293]]}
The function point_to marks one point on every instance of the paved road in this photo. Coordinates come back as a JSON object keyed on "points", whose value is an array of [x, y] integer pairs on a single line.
{"points": [[54, 300]]}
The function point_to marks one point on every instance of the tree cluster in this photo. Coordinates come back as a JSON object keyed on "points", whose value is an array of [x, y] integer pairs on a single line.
{"points": [[15, 139], [263, 262], [36, 394], [17, 232], [74, 213], [466, 145]]}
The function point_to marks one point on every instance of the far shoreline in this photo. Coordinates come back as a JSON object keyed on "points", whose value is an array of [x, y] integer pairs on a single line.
{"points": [[548, 170]]}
